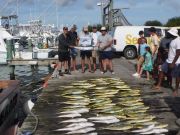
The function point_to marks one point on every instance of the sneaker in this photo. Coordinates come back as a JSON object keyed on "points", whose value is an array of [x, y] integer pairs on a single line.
{"points": [[138, 76], [60, 73], [103, 72], [112, 72], [135, 75], [67, 72]]}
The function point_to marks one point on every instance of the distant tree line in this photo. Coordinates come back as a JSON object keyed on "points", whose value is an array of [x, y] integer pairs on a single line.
{"points": [[173, 22]]}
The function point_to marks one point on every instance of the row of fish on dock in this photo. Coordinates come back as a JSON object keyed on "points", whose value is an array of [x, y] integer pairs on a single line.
{"points": [[105, 104]]}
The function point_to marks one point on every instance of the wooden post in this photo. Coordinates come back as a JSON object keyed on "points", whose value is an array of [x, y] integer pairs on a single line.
{"points": [[30, 44], [12, 74], [9, 49], [47, 43]]}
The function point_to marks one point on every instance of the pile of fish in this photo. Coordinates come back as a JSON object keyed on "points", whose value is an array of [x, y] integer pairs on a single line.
{"points": [[105, 104]]}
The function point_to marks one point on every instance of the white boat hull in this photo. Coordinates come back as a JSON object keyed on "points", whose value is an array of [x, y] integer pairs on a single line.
{"points": [[3, 57]]}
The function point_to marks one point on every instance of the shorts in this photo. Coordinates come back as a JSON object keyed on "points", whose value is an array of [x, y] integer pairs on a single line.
{"points": [[106, 55], [63, 56], [141, 60], [84, 54], [73, 53], [175, 72]]}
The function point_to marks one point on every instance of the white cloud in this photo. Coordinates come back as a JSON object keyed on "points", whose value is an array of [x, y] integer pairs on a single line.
{"points": [[174, 4]]}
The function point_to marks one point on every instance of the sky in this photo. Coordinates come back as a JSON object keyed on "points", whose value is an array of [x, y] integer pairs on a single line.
{"points": [[84, 12]]}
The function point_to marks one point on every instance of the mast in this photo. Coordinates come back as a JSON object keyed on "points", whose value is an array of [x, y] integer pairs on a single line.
{"points": [[17, 7], [57, 16]]}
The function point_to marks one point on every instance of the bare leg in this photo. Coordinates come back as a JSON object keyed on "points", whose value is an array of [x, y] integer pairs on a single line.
{"points": [[75, 68], [100, 65], [138, 68], [94, 63], [82, 64], [140, 73], [89, 64], [73, 64], [175, 93], [110, 65], [59, 67], [161, 76], [105, 64], [66, 65], [148, 76]]}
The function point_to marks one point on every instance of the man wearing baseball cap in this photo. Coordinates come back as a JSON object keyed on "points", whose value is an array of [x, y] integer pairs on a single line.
{"points": [[73, 51], [85, 41], [173, 61], [95, 34], [64, 45]]}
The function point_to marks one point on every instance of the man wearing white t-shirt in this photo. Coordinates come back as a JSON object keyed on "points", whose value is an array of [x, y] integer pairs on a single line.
{"points": [[95, 34], [85, 41], [173, 61]]}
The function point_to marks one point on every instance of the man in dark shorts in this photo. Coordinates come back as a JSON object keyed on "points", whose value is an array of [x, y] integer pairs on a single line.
{"points": [[85, 41], [64, 45], [105, 45]]}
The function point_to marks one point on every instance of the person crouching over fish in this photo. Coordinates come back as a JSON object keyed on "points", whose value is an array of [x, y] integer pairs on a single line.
{"points": [[105, 46]]}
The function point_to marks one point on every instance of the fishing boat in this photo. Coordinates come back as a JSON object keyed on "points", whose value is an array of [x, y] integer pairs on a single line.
{"points": [[3, 52], [9, 100]]}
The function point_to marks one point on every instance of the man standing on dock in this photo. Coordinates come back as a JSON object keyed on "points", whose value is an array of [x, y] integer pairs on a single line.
{"points": [[95, 34], [73, 51], [105, 46], [63, 51]]}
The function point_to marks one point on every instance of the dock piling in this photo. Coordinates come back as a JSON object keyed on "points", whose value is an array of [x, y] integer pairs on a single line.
{"points": [[12, 74], [9, 49]]}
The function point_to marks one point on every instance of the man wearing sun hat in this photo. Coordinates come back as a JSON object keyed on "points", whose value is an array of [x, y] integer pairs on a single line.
{"points": [[105, 46], [173, 61]]}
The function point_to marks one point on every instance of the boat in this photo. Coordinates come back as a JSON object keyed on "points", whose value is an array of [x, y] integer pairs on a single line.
{"points": [[3, 52], [9, 101]]}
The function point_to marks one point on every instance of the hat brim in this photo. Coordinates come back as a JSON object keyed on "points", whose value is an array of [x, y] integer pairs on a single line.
{"points": [[172, 33]]}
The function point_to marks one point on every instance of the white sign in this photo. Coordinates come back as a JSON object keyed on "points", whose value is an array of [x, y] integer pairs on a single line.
{"points": [[85, 41]]}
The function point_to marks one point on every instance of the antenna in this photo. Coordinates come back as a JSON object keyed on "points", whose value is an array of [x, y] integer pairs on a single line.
{"points": [[17, 7], [57, 16]]}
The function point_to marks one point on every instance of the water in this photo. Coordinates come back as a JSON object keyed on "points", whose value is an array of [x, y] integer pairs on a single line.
{"points": [[26, 76]]}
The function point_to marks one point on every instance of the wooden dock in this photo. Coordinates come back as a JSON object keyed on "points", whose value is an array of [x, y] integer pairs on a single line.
{"points": [[23, 62]]}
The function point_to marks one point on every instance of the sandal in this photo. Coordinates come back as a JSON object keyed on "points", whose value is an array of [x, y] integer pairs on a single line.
{"points": [[156, 87], [175, 93], [83, 71]]}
